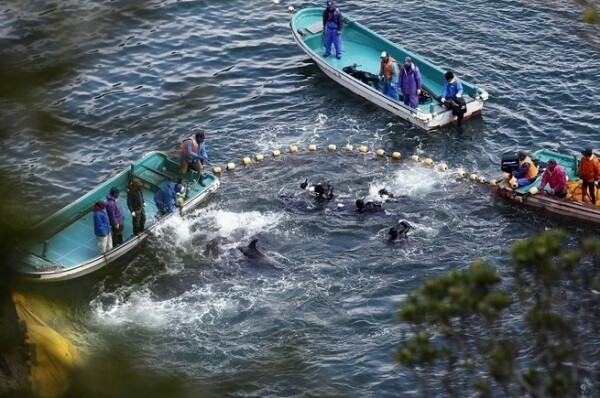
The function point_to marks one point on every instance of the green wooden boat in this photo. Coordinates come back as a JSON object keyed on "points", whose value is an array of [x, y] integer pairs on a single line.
{"points": [[575, 206], [67, 247], [361, 50]]}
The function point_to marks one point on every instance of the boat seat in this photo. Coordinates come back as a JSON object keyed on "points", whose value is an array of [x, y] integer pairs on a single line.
{"points": [[153, 176], [317, 27]]}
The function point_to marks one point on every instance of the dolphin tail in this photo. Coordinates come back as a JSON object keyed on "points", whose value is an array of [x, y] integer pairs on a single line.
{"points": [[304, 184]]}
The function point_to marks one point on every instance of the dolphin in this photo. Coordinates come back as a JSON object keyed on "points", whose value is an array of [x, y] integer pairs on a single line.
{"points": [[400, 231], [252, 252], [212, 249]]}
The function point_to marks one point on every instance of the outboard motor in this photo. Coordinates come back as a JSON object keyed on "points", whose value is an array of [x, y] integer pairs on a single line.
{"points": [[459, 108], [509, 162]]}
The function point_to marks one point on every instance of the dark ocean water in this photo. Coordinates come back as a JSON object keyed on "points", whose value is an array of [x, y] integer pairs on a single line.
{"points": [[324, 324]]}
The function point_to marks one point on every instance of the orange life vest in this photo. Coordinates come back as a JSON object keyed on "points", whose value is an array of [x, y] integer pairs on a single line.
{"points": [[195, 145], [533, 170], [386, 68], [589, 168]]}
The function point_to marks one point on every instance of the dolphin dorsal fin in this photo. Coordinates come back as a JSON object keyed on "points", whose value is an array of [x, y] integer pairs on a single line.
{"points": [[252, 244]]}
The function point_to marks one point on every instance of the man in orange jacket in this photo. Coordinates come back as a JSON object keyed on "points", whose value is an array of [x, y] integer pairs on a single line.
{"points": [[589, 172]]}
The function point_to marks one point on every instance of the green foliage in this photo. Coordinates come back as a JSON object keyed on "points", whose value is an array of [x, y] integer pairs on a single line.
{"points": [[465, 310]]}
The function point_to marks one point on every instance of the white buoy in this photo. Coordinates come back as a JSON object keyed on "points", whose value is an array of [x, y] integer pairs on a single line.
{"points": [[291, 8], [363, 149], [231, 166], [493, 183], [293, 149], [481, 180], [275, 2], [217, 170], [513, 183], [414, 158], [473, 177], [506, 176], [443, 167], [312, 147], [428, 162], [349, 147], [332, 147], [380, 153], [259, 157], [396, 155], [461, 174], [246, 161], [276, 153], [533, 191]]}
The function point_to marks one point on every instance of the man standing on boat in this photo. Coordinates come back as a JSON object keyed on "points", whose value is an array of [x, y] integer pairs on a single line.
{"points": [[136, 204], [102, 227], [410, 83], [193, 156], [332, 28], [556, 178], [526, 172], [115, 216], [388, 71], [589, 172]]}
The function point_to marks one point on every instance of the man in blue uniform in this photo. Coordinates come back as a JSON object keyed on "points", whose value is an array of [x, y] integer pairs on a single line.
{"points": [[332, 27], [166, 198]]}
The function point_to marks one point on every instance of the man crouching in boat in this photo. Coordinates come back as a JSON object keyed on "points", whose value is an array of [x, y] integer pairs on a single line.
{"points": [[332, 27], [526, 172], [452, 96], [166, 198], [389, 72], [556, 178]]}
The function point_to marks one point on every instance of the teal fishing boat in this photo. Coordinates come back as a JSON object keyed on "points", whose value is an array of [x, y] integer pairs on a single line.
{"points": [[67, 247], [575, 206], [360, 61]]}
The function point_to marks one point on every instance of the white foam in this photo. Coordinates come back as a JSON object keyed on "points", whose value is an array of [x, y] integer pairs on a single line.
{"points": [[177, 229], [228, 222], [141, 308]]}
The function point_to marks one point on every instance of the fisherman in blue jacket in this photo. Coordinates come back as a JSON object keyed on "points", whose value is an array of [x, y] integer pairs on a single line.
{"points": [[166, 198], [452, 88], [452, 96], [102, 226], [332, 26]]}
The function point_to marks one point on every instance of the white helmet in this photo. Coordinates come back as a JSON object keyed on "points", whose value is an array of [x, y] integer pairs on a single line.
{"points": [[384, 55]]}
